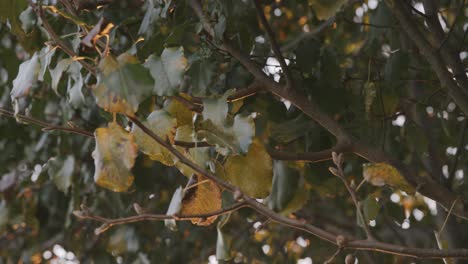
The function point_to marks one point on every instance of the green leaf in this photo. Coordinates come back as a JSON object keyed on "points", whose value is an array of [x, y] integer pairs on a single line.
{"points": [[151, 15], [174, 208], [167, 70], [252, 173], [4, 215], [114, 156], [223, 251], [370, 208], [216, 109], [201, 73], [234, 139], [28, 19], [285, 185], [45, 57], [27, 76], [75, 84], [122, 85], [163, 125], [61, 172], [292, 129], [57, 72]]}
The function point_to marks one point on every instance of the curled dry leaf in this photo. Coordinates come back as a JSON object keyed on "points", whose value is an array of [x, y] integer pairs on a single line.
{"points": [[204, 197], [114, 156]]}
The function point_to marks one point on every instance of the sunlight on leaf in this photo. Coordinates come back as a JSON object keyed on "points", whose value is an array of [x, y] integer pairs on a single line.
{"points": [[114, 156]]}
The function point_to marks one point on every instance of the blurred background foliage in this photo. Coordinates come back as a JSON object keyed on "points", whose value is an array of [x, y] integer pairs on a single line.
{"points": [[359, 67]]}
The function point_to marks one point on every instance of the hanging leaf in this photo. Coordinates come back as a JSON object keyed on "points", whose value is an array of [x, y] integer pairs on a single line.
{"points": [[114, 156], [380, 174], [223, 251], [174, 208], [287, 184], [57, 72], [61, 172], [167, 70], [27, 76], [163, 125], [122, 85], [204, 197], [45, 57], [252, 173], [75, 84]]}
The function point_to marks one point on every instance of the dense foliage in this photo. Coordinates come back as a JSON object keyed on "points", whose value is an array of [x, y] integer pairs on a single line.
{"points": [[191, 131]]}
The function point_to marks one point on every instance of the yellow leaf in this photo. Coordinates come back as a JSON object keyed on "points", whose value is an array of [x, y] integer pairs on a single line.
{"points": [[252, 173], [380, 174], [114, 156], [163, 125], [204, 197]]}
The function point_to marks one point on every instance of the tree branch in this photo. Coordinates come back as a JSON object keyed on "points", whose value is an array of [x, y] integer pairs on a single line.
{"points": [[426, 186], [108, 223], [274, 45], [45, 126], [338, 240], [404, 17], [338, 171]]}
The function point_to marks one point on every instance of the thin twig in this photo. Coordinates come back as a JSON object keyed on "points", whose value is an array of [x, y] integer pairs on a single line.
{"points": [[46, 126], [58, 41], [330, 260], [274, 44], [338, 171], [448, 215], [108, 223], [460, 148]]}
